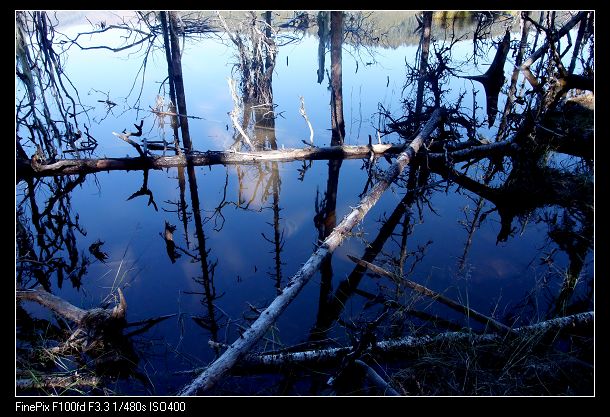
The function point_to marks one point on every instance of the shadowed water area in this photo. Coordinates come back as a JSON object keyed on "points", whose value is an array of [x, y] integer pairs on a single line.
{"points": [[199, 251]]}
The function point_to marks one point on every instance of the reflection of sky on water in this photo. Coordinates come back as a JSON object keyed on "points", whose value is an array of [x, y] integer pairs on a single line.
{"points": [[498, 273]]}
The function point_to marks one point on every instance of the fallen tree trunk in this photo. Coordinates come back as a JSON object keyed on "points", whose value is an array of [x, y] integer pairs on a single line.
{"points": [[406, 345], [75, 166], [71, 312], [257, 330], [53, 303]]}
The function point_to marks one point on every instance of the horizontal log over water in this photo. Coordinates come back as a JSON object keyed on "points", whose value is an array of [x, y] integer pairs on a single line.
{"points": [[407, 344], [77, 166]]}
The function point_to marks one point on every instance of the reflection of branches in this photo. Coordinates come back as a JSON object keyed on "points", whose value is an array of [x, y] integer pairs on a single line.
{"points": [[145, 191], [278, 236], [132, 36], [49, 94], [39, 252]]}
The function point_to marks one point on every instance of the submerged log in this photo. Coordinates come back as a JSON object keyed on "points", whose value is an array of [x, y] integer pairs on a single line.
{"points": [[434, 295], [257, 330]]}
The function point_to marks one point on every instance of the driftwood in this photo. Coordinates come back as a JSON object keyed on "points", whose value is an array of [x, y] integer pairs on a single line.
{"points": [[257, 330], [76, 166], [406, 345], [434, 295]]}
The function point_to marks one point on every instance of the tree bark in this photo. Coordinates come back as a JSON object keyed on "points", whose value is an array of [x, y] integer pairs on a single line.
{"points": [[257, 330]]}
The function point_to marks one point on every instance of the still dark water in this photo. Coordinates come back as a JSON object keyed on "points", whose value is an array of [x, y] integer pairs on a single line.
{"points": [[248, 212]]}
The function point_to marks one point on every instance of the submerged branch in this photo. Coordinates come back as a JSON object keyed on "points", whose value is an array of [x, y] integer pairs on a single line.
{"points": [[434, 295]]}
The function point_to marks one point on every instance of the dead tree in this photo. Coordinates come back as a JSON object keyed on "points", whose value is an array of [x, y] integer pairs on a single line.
{"points": [[257, 330]]}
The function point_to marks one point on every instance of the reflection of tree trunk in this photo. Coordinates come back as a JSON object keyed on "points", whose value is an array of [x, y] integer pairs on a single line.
{"points": [[423, 61], [493, 79], [269, 61], [277, 235], [346, 288], [178, 80], [576, 243], [513, 81], [336, 100], [209, 321], [471, 228], [322, 38], [525, 189], [325, 224], [182, 208]]}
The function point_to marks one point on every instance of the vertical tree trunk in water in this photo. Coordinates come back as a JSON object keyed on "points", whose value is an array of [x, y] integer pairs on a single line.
{"points": [[423, 60], [178, 80], [170, 73], [326, 224], [336, 100]]}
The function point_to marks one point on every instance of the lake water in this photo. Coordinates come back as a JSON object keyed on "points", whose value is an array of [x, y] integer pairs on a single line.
{"points": [[243, 211]]}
